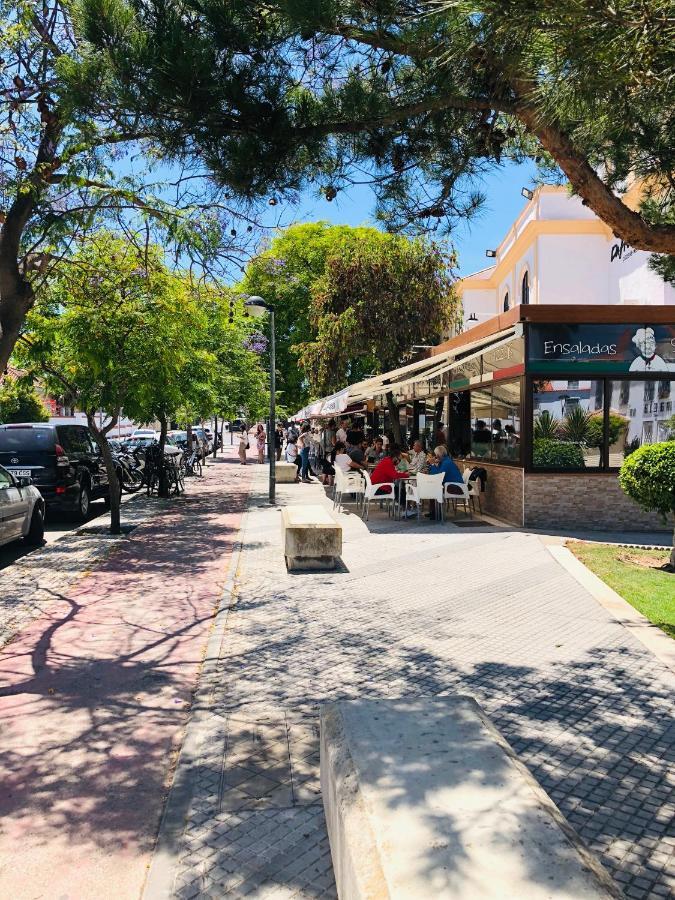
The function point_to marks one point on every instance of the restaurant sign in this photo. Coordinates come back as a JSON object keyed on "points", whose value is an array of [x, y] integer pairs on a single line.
{"points": [[604, 349]]}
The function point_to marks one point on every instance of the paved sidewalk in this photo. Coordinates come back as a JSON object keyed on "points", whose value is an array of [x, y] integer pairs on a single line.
{"points": [[95, 691], [417, 609]]}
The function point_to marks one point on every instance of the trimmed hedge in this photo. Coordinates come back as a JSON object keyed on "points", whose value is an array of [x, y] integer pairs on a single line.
{"points": [[550, 454], [648, 477]]}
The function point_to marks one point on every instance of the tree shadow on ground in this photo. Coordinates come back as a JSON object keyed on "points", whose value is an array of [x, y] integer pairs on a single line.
{"points": [[94, 694], [596, 731]]}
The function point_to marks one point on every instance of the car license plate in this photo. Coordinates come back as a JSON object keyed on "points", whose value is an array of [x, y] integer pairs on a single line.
{"points": [[20, 473]]}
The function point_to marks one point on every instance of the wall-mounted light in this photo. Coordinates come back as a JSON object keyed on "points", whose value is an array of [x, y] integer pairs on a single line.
{"points": [[491, 253], [527, 193]]}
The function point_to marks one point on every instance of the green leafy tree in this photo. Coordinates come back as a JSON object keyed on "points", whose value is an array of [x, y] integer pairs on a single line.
{"points": [[115, 330], [648, 477], [77, 156], [373, 303], [20, 402], [286, 274], [421, 97]]}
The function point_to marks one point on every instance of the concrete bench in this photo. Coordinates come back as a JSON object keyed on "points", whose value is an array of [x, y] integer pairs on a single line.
{"points": [[311, 536], [425, 799], [285, 472]]}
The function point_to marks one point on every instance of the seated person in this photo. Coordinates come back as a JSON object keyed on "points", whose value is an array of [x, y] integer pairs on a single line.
{"points": [[417, 459], [342, 460], [357, 455], [376, 452], [386, 471], [444, 463]]}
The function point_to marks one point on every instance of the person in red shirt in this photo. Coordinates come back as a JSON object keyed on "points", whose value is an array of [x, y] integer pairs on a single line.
{"points": [[385, 471]]}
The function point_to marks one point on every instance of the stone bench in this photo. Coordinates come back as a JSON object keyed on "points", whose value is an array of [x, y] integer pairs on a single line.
{"points": [[311, 536], [285, 472], [425, 799]]}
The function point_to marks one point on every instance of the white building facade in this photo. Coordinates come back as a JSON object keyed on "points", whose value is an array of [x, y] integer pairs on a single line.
{"points": [[559, 252]]}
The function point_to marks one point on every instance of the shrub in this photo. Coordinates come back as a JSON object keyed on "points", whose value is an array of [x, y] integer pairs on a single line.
{"points": [[575, 425], [551, 454], [545, 426], [648, 477], [617, 424]]}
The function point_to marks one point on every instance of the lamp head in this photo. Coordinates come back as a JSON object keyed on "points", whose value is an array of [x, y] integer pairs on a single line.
{"points": [[256, 306]]}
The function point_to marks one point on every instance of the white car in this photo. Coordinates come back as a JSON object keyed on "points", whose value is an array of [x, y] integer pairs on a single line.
{"points": [[148, 433], [22, 510]]}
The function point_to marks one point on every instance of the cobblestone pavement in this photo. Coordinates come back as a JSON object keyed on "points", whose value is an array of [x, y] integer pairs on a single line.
{"points": [[417, 609], [95, 690]]}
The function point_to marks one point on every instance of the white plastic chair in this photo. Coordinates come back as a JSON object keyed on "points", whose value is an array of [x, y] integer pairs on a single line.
{"points": [[347, 483], [426, 487], [385, 492], [475, 489], [457, 492]]}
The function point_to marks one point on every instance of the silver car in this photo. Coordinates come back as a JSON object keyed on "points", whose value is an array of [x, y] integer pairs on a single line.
{"points": [[22, 510]]}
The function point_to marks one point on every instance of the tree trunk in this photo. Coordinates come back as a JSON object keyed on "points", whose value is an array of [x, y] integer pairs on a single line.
{"points": [[624, 222], [113, 481], [393, 418], [672, 554], [163, 486], [215, 436]]}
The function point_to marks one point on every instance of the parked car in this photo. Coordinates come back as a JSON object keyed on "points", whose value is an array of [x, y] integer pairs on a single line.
{"points": [[22, 510], [63, 461], [149, 433], [204, 439]]}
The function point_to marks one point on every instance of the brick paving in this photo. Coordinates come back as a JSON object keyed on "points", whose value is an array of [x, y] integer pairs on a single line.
{"points": [[34, 582], [416, 609], [95, 689]]}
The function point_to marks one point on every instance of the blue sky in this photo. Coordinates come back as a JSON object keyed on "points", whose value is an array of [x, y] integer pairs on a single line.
{"points": [[503, 203]]}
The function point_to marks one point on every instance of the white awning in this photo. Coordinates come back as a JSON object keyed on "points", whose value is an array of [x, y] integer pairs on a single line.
{"points": [[435, 366]]}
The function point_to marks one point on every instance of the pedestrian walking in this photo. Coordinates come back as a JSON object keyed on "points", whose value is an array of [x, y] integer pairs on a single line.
{"points": [[260, 442], [243, 446], [303, 446], [278, 441]]}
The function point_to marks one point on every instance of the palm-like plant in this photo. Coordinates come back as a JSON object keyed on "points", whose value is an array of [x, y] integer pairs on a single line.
{"points": [[546, 426], [575, 425]]}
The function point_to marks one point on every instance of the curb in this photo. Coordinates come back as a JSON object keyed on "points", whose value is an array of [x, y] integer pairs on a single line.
{"points": [[650, 635], [159, 880]]}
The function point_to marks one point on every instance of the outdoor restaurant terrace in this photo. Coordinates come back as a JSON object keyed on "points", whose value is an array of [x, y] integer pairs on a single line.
{"points": [[546, 400]]}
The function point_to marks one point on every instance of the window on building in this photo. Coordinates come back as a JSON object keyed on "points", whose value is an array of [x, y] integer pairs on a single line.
{"points": [[495, 422], [506, 302], [648, 422], [568, 430], [525, 289]]}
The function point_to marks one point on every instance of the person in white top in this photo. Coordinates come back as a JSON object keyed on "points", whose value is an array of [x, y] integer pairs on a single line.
{"points": [[341, 433], [342, 459]]}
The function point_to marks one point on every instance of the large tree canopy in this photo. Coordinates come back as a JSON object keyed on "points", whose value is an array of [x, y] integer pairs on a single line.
{"points": [[75, 156], [419, 96], [348, 302]]}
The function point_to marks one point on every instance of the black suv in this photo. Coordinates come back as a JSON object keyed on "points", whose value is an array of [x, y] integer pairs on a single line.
{"points": [[63, 462]]}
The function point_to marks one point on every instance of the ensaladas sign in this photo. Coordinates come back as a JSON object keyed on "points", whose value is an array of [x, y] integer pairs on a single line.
{"points": [[604, 349]]}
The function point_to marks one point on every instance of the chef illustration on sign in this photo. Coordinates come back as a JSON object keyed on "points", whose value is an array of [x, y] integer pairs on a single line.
{"points": [[648, 360]]}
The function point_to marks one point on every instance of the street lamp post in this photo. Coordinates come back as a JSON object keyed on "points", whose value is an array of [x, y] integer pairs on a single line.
{"points": [[258, 307]]}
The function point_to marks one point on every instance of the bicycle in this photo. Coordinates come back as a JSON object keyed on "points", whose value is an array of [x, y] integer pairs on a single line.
{"points": [[193, 464]]}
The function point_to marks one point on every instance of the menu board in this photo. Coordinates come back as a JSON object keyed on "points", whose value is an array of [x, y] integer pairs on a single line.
{"points": [[602, 349]]}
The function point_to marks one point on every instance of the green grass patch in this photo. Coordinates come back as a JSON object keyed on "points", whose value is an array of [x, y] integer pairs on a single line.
{"points": [[635, 575]]}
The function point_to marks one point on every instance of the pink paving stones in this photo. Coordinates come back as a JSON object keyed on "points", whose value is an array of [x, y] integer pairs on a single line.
{"points": [[94, 697]]}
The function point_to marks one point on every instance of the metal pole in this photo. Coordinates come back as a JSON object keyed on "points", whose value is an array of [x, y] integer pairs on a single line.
{"points": [[273, 413]]}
